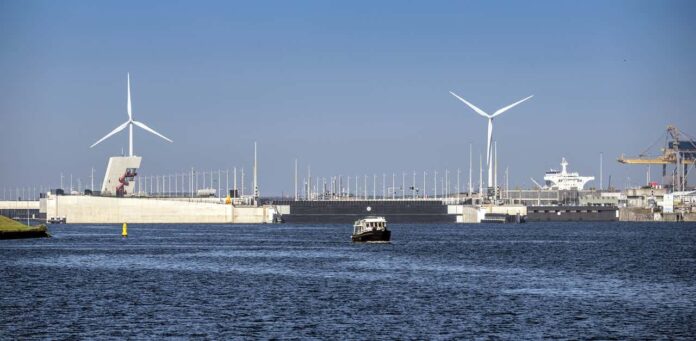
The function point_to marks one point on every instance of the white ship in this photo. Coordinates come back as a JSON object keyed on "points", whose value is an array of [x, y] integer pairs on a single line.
{"points": [[562, 180]]}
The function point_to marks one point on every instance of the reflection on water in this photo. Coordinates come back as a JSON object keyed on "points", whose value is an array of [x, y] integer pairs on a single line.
{"points": [[441, 281]]}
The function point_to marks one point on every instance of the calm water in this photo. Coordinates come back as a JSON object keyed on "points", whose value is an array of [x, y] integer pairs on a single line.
{"points": [[602, 281]]}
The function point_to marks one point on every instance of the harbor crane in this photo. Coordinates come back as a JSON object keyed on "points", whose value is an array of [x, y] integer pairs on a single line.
{"points": [[677, 151]]}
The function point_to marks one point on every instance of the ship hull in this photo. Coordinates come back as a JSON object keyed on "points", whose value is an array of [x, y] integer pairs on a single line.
{"points": [[372, 236]]}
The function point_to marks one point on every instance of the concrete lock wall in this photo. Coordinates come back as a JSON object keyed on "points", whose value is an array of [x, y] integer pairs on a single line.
{"points": [[474, 214], [507, 209], [18, 205], [20, 209], [107, 210], [471, 215], [637, 214], [465, 214]]}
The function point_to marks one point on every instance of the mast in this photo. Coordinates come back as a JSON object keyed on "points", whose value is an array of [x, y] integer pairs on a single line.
{"points": [[403, 185], [309, 182], [413, 190], [469, 170], [480, 176], [458, 172], [256, 185], [495, 178], [601, 185], [507, 185]]}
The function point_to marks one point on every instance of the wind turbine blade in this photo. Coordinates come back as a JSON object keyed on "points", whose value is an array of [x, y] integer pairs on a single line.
{"points": [[130, 113], [502, 110], [536, 183], [142, 125], [119, 128], [475, 108]]}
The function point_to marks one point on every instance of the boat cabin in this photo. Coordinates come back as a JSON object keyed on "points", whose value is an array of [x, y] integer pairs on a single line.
{"points": [[369, 224]]}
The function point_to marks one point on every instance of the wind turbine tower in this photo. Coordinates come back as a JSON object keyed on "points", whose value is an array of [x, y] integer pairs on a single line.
{"points": [[489, 151], [121, 170]]}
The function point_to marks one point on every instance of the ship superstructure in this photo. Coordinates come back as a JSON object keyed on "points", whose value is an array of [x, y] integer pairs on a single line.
{"points": [[563, 180]]}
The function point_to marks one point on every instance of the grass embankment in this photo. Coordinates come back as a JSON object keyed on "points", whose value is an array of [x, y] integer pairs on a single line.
{"points": [[11, 229]]}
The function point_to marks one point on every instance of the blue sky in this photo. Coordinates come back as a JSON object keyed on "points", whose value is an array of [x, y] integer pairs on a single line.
{"points": [[352, 88]]}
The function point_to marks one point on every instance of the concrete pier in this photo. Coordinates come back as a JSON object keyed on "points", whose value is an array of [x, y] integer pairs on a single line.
{"points": [[21, 209], [19, 205], [474, 214], [78, 209]]}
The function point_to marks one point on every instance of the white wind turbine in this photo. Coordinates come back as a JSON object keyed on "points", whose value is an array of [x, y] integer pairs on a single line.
{"points": [[130, 124], [489, 154]]}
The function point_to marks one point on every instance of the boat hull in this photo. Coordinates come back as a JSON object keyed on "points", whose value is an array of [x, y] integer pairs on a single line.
{"points": [[372, 236]]}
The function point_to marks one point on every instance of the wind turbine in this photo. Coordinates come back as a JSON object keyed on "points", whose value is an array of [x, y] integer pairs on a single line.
{"points": [[489, 153], [130, 124]]}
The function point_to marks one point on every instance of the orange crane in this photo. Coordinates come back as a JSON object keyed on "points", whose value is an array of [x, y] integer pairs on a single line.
{"points": [[681, 153]]}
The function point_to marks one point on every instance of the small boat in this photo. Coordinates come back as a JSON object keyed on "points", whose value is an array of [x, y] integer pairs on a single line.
{"points": [[371, 229]]}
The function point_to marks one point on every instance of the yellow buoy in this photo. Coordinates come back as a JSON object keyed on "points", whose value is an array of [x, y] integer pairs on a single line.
{"points": [[124, 232], [228, 200]]}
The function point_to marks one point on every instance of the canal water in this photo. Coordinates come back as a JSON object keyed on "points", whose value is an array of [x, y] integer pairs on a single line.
{"points": [[527, 281]]}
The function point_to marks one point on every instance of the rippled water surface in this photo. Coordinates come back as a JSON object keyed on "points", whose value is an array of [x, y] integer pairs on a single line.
{"points": [[529, 281]]}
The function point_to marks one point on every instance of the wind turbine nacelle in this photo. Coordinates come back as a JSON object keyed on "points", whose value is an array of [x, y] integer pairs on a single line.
{"points": [[119, 179]]}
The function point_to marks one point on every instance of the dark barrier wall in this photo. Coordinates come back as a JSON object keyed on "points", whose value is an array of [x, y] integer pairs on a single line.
{"points": [[347, 212], [23, 214], [572, 213]]}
